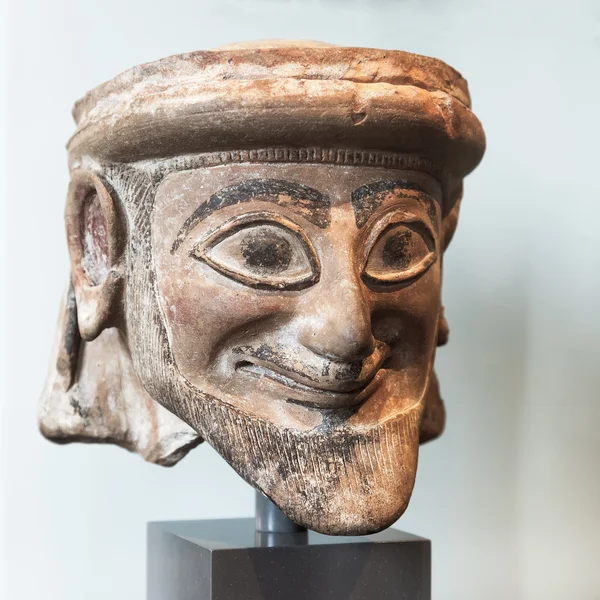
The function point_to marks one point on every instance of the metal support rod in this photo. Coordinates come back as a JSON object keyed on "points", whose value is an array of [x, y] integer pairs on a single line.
{"points": [[269, 519]]}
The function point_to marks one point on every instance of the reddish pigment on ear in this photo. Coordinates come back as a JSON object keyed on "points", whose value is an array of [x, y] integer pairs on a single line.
{"points": [[94, 239]]}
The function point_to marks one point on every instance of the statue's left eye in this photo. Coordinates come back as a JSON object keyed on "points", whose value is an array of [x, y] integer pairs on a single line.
{"points": [[261, 254], [401, 254]]}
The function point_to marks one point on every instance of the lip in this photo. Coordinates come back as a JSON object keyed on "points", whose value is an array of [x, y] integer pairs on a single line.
{"points": [[324, 396]]}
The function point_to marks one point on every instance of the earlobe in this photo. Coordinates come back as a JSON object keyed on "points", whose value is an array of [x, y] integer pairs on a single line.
{"points": [[443, 332], [434, 414], [96, 241]]}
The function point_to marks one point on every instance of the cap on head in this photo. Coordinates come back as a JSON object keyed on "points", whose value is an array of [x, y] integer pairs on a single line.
{"points": [[274, 93]]}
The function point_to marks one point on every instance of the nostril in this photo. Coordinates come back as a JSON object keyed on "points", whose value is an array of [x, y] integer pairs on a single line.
{"points": [[242, 364], [343, 350], [339, 342], [363, 349]]}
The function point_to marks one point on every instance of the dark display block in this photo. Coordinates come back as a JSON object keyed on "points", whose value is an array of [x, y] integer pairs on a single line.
{"points": [[230, 560]]}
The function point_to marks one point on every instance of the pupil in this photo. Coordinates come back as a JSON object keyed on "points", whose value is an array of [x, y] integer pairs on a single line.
{"points": [[266, 252], [396, 250]]}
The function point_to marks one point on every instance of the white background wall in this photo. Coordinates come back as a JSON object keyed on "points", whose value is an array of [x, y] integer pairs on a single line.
{"points": [[510, 495]]}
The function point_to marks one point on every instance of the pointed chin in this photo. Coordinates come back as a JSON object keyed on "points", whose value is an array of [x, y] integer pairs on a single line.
{"points": [[342, 481]]}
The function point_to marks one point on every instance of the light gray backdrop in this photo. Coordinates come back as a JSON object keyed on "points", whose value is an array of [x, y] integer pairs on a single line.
{"points": [[511, 495]]}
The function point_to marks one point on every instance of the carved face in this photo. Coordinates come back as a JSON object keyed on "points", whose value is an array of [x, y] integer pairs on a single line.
{"points": [[305, 299], [289, 290]]}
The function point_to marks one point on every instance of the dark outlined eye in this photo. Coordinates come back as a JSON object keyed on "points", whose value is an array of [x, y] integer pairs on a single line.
{"points": [[263, 254], [402, 253]]}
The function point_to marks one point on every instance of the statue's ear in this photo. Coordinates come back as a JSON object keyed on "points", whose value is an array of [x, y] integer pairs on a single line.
{"points": [[96, 241], [434, 413]]}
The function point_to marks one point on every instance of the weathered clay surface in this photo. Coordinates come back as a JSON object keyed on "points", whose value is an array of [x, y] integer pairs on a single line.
{"points": [[256, 237]]}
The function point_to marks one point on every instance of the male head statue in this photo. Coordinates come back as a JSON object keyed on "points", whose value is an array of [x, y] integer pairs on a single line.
{"points": [[256, 237]]}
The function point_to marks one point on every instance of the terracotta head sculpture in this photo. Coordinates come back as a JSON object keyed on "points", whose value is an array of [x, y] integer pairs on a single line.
{"points": [[256, 237]]}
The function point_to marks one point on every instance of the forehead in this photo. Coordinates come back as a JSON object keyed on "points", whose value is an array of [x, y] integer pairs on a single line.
{"points": [[191, 188]]}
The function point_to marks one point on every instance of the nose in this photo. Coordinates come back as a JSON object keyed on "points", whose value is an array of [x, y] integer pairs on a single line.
{"points": [[338, 326]]}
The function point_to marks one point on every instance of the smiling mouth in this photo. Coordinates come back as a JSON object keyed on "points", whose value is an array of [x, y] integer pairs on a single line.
{"points": [[320, 397]]}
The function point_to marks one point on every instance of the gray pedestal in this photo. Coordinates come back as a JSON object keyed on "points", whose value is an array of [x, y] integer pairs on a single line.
{"points": [[230, 560]]}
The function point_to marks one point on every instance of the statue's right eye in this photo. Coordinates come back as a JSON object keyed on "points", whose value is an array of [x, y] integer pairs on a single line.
{"points": [[264, 254]]}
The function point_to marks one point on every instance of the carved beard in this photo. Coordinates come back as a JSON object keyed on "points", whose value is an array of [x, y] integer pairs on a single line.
{"points": [[334, 479], [338, 480]]}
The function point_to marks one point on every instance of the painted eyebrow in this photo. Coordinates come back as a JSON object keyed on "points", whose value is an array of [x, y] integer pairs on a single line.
{"points": [[309, 203], [368, 198]]}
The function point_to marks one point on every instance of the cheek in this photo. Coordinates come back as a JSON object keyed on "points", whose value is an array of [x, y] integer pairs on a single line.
{"points": [[407, 319], [204, 316]]}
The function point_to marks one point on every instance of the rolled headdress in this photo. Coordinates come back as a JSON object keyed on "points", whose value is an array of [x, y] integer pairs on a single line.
{"points": [[372, 103]]}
